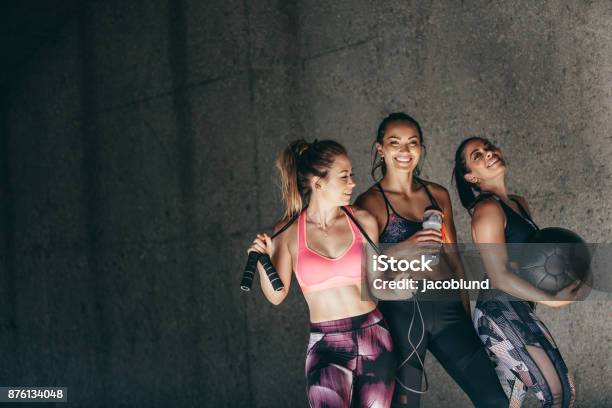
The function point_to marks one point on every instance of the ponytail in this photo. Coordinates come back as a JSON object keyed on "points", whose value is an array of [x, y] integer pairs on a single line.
{"points": [[286, 164], [297, 164]]}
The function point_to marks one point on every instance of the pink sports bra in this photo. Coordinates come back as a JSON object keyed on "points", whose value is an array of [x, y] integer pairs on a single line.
{"points": [[317, 272]]}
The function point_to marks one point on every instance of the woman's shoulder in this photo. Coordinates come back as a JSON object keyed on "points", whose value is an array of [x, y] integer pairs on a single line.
{"points": [[439, 192], [365, 218], [362, 214], [486, 207], [371, 200]]}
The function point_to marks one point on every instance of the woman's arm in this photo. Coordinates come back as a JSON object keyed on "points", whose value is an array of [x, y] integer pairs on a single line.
{"points": [[279, 253], [372, 202], [488, 225], [450, 247]]}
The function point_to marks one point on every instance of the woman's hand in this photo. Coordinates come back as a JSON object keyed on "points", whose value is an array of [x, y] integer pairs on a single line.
{"points": [[568, 295], [570, 292], [429, 236], [427, 241], [262, 244], [281, 259], [422, 242]]}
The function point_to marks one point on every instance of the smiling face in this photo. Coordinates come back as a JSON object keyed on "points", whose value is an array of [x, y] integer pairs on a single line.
{"points": [[337, 187], [401, 147], [483, 160]]}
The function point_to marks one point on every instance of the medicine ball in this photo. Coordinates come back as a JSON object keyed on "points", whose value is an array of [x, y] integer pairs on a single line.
{"points": [[553, 258]]}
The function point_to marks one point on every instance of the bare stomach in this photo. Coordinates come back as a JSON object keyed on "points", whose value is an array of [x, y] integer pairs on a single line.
{"points": [[337, 303]]}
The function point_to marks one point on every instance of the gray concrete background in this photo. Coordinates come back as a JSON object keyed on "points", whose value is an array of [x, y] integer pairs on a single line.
{"points": [[136, 158]]}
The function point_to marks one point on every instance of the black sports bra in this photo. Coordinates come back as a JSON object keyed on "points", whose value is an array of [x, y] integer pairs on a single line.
{"points": [[398, 228]]}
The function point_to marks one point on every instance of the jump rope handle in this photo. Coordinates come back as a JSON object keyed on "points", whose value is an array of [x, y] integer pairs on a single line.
{"points": [[249, 271], [251, 266], [266, 262]]}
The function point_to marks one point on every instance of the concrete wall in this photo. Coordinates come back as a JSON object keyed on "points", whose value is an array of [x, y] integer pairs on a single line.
{"points": [[136, 157]]}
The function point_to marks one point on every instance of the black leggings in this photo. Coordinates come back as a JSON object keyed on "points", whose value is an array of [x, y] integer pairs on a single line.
{"points": [[451, 338]]}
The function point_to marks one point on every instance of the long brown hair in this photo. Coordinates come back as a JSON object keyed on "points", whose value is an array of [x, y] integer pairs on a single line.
{"points": [[395, 117], [469, 193]]}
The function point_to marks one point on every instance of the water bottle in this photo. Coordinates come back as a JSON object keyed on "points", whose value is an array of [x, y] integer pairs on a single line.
{"points": [[433, 218]]}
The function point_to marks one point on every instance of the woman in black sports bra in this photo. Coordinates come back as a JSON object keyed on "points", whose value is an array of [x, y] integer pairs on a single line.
{"points": [[439, 325], [521, 346]]}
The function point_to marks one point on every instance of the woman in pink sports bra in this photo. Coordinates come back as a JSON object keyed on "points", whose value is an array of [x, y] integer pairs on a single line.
{"points": [[349, 359]]}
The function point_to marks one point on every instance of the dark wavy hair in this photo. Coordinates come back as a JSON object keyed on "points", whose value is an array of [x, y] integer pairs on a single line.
{"points": [[395, 117], [469, 193]]}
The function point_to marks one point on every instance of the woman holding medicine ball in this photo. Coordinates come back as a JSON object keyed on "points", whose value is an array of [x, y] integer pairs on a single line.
{"points": [[523, 349]]}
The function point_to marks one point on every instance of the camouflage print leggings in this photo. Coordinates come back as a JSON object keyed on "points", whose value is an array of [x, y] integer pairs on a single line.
{"points": [[524, 353]]}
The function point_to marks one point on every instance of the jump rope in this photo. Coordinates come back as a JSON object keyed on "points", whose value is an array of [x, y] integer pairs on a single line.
{"points": [[277, 284]]}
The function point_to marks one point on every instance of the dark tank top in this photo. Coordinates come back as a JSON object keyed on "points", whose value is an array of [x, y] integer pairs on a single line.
{"points": [[519, 229], [398, 228]]}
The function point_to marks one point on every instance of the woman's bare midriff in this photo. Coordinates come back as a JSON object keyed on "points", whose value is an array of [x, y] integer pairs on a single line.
{"points": [[337, 303]]}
